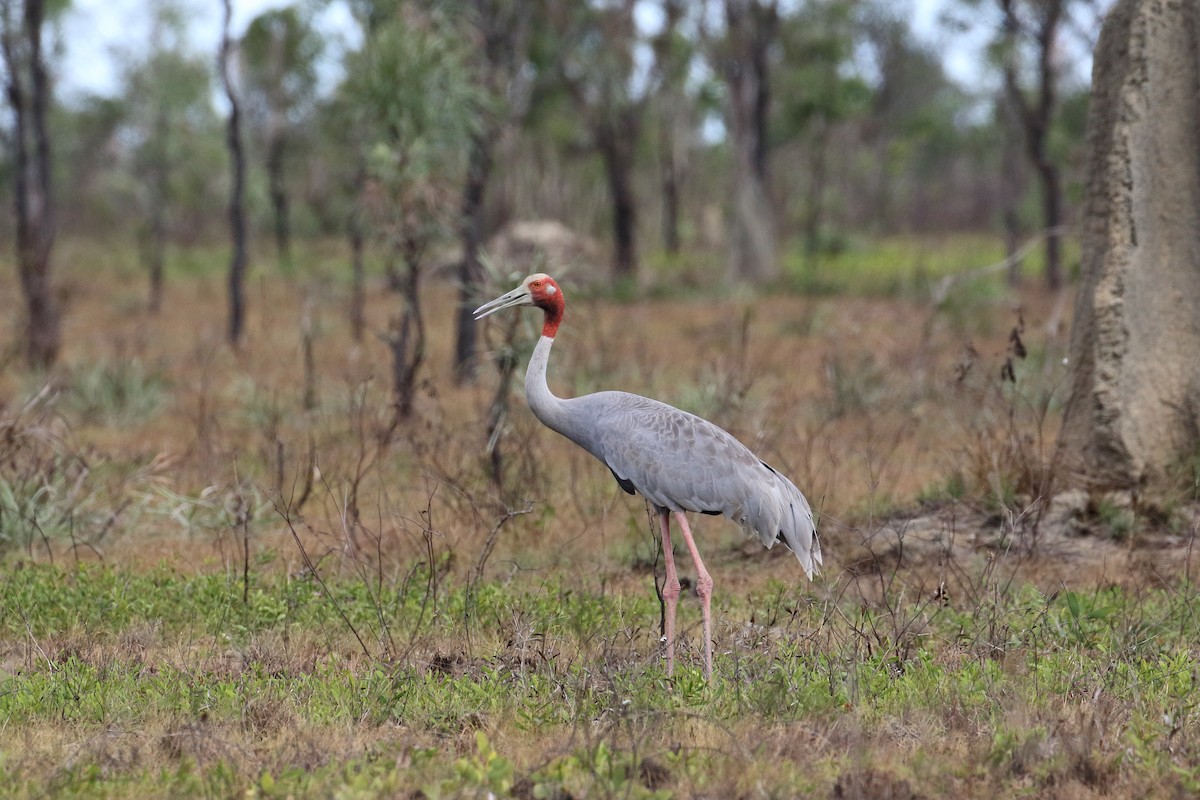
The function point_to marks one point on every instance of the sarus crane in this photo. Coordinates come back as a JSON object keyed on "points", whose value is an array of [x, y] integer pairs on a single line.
{"points": [[676, 460]]}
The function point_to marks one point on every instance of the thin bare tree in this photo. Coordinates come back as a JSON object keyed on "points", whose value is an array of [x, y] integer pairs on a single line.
{"points": [[1038, 22], [751, 27], [414, 108], [279, 54], [597, 65], [503, 28], [27, 88], [673, 54], [237, 192]]}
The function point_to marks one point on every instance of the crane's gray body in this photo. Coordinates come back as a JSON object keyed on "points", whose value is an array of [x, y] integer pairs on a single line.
{"points": [[678, 461]]}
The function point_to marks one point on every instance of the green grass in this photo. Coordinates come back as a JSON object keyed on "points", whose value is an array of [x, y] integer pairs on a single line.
{"points": [[162, 683], [903, 266], [908, 266], [896, 266]]}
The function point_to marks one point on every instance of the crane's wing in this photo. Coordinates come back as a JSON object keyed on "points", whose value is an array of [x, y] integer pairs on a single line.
{"points": [[681, 462]]}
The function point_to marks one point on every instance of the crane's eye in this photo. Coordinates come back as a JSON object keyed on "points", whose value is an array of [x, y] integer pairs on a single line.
{"points": [[536, 284]]}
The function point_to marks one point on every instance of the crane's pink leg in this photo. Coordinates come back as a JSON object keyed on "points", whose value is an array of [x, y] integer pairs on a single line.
{"points": [[670, 589], [704, 587]]}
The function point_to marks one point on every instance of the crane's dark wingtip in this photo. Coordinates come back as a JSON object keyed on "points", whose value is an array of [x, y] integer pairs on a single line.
{"points": [[624, 483]]}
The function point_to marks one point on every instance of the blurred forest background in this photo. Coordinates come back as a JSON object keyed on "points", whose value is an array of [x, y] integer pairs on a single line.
{"points": [[727, 139]]}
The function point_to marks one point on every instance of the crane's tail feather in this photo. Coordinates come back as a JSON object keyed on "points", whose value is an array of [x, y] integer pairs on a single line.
{"points": [[792, 523]]}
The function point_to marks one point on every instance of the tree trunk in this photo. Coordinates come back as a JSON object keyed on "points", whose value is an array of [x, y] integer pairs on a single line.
{"points": [[506, 364], [504, 28], [307, 340], [33, 197], [407, 339], [765, 18], [155, 254], [670, 185], [751, 27], [470, 270], [1134, 410], [357, 235], [1051, 191], [358, 299], [1052, 215], [1012, 186], [753, 254], [156, 228], [237, 216], [885, 187], [279, 198], [616, 141], [1037, 119], [1047, 169], [673, 66], [814, 217]]}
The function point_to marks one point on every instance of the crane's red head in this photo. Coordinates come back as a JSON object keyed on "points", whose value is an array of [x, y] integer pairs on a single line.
{"points": [[547, 296], [538, 290]]}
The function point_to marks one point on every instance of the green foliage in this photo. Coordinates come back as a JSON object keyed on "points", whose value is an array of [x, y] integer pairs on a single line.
{"points": [[966, 304], [483, 774], [170, 123], [818, 88], [411, 100], [1118, 517], [32, 511], [1085, 617], [952, 488], [1015, 750], [279, 56], [865, 127], [896, 266], [48, 493], [279, 52], [598, 772]]}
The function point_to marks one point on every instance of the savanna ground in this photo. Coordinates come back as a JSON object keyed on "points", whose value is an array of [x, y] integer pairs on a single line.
{"points": [[221, 578]]}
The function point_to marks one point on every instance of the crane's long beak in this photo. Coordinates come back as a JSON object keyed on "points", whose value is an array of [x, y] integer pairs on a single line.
{"points": [[517, 297]]}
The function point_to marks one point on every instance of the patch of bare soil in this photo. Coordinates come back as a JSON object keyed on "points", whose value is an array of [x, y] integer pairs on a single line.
{"points": [[1075, 538]]}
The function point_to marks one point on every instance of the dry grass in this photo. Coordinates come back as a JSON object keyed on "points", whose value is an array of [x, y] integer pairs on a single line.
{"points": [[851, 396]]}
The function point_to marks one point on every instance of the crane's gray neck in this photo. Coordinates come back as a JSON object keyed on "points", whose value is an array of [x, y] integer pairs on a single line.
{"points": [[551, 410]]}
